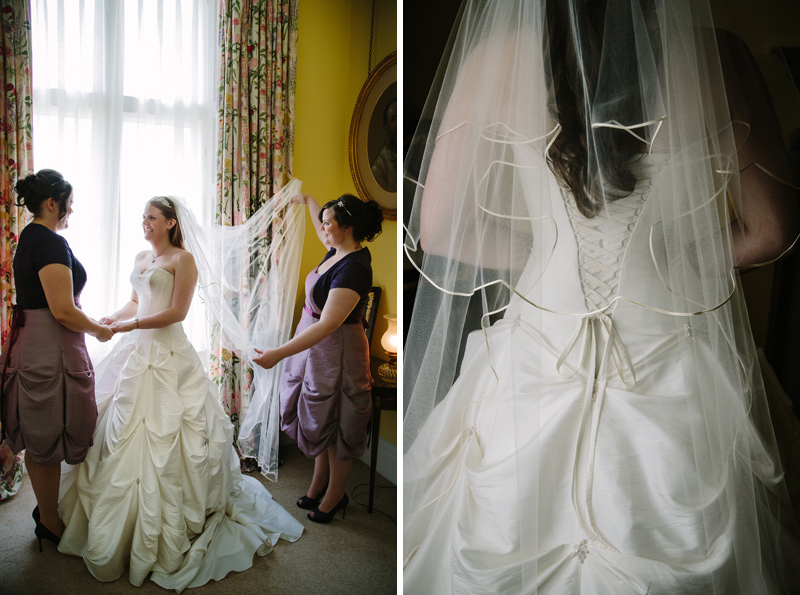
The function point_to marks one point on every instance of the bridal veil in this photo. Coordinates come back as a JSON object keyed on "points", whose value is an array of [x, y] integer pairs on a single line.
{"points": [[643, 94], [247, 281]]}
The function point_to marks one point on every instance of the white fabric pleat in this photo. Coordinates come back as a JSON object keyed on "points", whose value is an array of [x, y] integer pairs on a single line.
{"points": [[160, 490], [583, 407]]}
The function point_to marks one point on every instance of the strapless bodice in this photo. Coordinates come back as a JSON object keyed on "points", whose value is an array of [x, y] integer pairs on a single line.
{"points": [[154, 288]]}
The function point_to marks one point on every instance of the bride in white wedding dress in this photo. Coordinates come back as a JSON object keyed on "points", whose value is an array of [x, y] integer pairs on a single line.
{"points": [[584, 411], [161, 489]]}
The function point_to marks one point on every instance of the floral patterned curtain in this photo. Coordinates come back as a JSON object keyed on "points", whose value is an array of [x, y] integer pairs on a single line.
{"points": [[16, 156], [255, 154]]}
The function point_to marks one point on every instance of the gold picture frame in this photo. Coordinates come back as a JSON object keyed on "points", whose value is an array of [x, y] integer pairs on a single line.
{"points": [[373, 138]]}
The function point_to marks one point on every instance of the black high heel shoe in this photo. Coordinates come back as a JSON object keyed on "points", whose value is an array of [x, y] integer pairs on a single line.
{"points": [[307, 503], [327, 517], [43, 532], [35, 514]]}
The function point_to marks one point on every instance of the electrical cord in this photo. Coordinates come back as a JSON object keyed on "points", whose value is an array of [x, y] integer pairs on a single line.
{"points": [[366, 504]]}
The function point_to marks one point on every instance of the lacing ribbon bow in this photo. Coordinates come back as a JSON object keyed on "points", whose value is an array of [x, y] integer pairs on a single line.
{"points": [[592, 328]]}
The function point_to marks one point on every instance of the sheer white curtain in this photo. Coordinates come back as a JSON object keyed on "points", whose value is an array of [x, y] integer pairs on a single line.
{"points": [[123, 106]]}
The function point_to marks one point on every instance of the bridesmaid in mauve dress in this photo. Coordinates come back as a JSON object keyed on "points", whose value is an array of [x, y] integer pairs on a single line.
{"points": [[48, 407], [325, 393]]}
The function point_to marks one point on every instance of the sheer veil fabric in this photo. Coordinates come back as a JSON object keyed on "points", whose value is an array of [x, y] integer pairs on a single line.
{"points": [[583, 406], [247, 281]]}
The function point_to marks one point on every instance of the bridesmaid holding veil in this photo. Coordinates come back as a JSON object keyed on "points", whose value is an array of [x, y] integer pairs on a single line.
{"points": [[325, 390]]}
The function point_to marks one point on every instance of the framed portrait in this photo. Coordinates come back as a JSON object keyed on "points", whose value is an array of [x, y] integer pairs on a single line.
{"points": [[373, 138]]}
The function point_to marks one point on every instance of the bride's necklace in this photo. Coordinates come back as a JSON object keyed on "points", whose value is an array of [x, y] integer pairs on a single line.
{"points": [[159, 254]]}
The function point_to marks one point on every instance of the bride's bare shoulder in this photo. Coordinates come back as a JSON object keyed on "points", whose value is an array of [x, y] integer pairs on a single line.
{"points": [[185, 258], [143, 255], [183, 254]]}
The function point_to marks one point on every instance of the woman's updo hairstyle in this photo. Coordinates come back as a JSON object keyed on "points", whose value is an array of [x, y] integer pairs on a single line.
{"points": [[34, 189], [167, 208], [350, 211]]}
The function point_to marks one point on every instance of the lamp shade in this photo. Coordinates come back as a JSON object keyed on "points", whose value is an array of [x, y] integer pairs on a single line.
{"points": [[389, 338]]}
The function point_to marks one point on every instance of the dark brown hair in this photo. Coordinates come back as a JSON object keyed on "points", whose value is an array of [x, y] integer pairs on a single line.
{"points": [[175, 234], [366, 218], [33, 190], [573, 76]]}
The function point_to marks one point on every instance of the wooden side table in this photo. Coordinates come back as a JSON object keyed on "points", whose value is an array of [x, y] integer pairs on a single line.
{"points": [[384, 396]]}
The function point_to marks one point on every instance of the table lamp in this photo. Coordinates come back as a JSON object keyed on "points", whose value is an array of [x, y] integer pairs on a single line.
{"points": [[388, 371]]}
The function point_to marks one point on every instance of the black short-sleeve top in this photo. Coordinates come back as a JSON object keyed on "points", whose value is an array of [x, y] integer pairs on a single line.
{"points": [[354, 271], [38, 247]]}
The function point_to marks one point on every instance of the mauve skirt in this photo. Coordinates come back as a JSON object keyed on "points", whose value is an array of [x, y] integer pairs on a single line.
{"points": [[48, 391], [326, 393]]}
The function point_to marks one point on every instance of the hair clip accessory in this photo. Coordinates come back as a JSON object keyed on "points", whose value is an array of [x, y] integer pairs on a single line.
{"points": [[340, 204], [161, 200]]}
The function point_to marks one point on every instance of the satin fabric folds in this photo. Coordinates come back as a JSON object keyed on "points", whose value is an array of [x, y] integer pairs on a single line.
{"points": [[583, 406], [161, 489], [48, 390], [326, 391]]}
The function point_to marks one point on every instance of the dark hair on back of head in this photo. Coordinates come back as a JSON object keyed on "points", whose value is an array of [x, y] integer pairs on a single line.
{"points": [[574, 76], [34, 189], [366, 218]]}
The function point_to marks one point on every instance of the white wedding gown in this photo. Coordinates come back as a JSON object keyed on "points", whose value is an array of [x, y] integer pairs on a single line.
{"points": [[161, 488], [568, 456]]}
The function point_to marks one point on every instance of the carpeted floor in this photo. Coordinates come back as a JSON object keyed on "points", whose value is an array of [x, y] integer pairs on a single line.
{"points": [[348, 557]]}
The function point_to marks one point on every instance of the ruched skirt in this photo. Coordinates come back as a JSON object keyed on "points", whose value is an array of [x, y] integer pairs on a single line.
{"points": [[326, 393], [48, 400]]}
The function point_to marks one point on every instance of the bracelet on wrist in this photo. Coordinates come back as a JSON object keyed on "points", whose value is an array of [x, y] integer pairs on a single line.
{"points": [[136, 320]]}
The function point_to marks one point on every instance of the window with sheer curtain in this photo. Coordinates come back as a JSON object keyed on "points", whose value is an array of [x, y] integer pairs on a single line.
{"points": [[124, 106]]}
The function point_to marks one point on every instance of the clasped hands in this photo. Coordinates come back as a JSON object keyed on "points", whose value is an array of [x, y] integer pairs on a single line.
{"points": [[116, 326], [266, 358]]}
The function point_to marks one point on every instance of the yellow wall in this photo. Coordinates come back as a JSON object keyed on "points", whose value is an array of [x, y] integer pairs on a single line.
{"points": [[333, 53]]}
